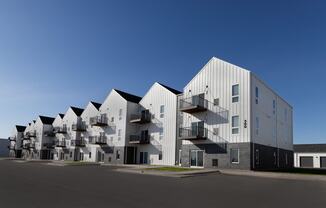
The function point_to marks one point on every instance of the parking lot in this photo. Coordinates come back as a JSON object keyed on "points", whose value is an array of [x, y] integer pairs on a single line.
{"points": [[33, 185]]}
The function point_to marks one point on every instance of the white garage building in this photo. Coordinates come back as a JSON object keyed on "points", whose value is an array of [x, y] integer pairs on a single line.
{"points": [[310, 155]]}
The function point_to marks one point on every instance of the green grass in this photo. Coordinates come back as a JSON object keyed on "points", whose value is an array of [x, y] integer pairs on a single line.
{"points": [[79, 163], [170, 169], [308, 171]]}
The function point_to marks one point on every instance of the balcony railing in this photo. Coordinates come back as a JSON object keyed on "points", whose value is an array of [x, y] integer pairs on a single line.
{"points": [[31, 134], [139, 139], [142, 117], [98, 121], [60, 143], [26, 137], [101, 139], [12, 138], [196, 103], [11, 147], [49, 145], [193, 133], [26, 146], [78, 143], [79, 126], [60, 130]]}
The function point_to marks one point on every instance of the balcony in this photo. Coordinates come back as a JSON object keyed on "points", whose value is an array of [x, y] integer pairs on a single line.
{"points": [[98, 121], [32, 145], [141, 118], [78, 143], [143, 138], [26, 146], [193, 133], [60, 129], [11, 147], [26, 137], [79, 127], [194, 104], [101, 139], [60, 143], [31, 134], [49, 145], [12, 139]]}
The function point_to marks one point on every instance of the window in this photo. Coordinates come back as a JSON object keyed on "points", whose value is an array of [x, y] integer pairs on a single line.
{"points": [[216, 101], [257, 94], [70, 154], [118, 155], [234, 154], [274, 106], [112, 119], [235, 93], [162, 111], [235, 124], [257, 125], [120, 114], [160, 156], [90, 155], [161, 133]]}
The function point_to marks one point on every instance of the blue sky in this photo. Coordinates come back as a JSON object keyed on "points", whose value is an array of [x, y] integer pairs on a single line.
{"points": [[59, 53]]}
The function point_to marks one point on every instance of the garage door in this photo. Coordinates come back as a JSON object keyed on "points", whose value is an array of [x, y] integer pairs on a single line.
{"points": [[306, 162], [323, 162]]}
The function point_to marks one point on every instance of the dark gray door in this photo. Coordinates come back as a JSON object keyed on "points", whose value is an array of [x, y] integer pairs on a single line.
{"points": [[306, 162], [323, 162]]}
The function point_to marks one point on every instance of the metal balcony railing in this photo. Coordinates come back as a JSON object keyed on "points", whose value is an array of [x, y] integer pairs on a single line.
{"points": [[60, 129], [12, 138], [11, 147], [139, 139], [49, 133], [49, 145], [31, 134], [142, 117], [78, 142], [193, 133], [79, 126], [60, 143], [98, 121], [193, 104], [101, 139]]}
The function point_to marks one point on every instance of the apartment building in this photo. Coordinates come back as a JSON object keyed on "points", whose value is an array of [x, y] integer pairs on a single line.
{"points": [[154, 122], [94, 135], [310, 155], [117, 108], [15, 141], [229, 118], [73, 138], [60, 131]]}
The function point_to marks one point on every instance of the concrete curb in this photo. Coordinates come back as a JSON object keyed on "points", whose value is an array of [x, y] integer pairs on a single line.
{"points": [[184, 174], [285, 176]]}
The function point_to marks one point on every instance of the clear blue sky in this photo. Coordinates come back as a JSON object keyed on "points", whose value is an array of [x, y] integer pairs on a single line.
{"points": [[59, 53]]}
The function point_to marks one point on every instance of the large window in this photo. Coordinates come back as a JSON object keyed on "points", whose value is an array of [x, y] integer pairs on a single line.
{"points": [[235, 93], [257, 94], [235, 124], [234, 154]]}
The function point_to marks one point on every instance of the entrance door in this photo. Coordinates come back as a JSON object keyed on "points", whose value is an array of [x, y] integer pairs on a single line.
{"points": [[100, 156], [62, 155], [196, 158], [143, 158], [131, 155], [81, 156]]}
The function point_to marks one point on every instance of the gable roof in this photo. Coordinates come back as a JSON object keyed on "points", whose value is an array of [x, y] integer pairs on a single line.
{"points": [[61, 115], [309, 148], [77, 111], [46, 120], [96, 105], [20, 128], [170, 89], [128, 97]]}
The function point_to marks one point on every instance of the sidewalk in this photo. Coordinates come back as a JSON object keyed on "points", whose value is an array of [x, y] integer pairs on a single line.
{"points": [[149, 170], [288, 176]]}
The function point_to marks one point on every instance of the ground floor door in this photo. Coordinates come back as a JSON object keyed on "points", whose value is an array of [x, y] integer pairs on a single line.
{"points": [[323, 162], [100, 156], [131, 155], [81, 156], [62, 155], [143, 157], [180, 157], [306, 162], [196, 158]]}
